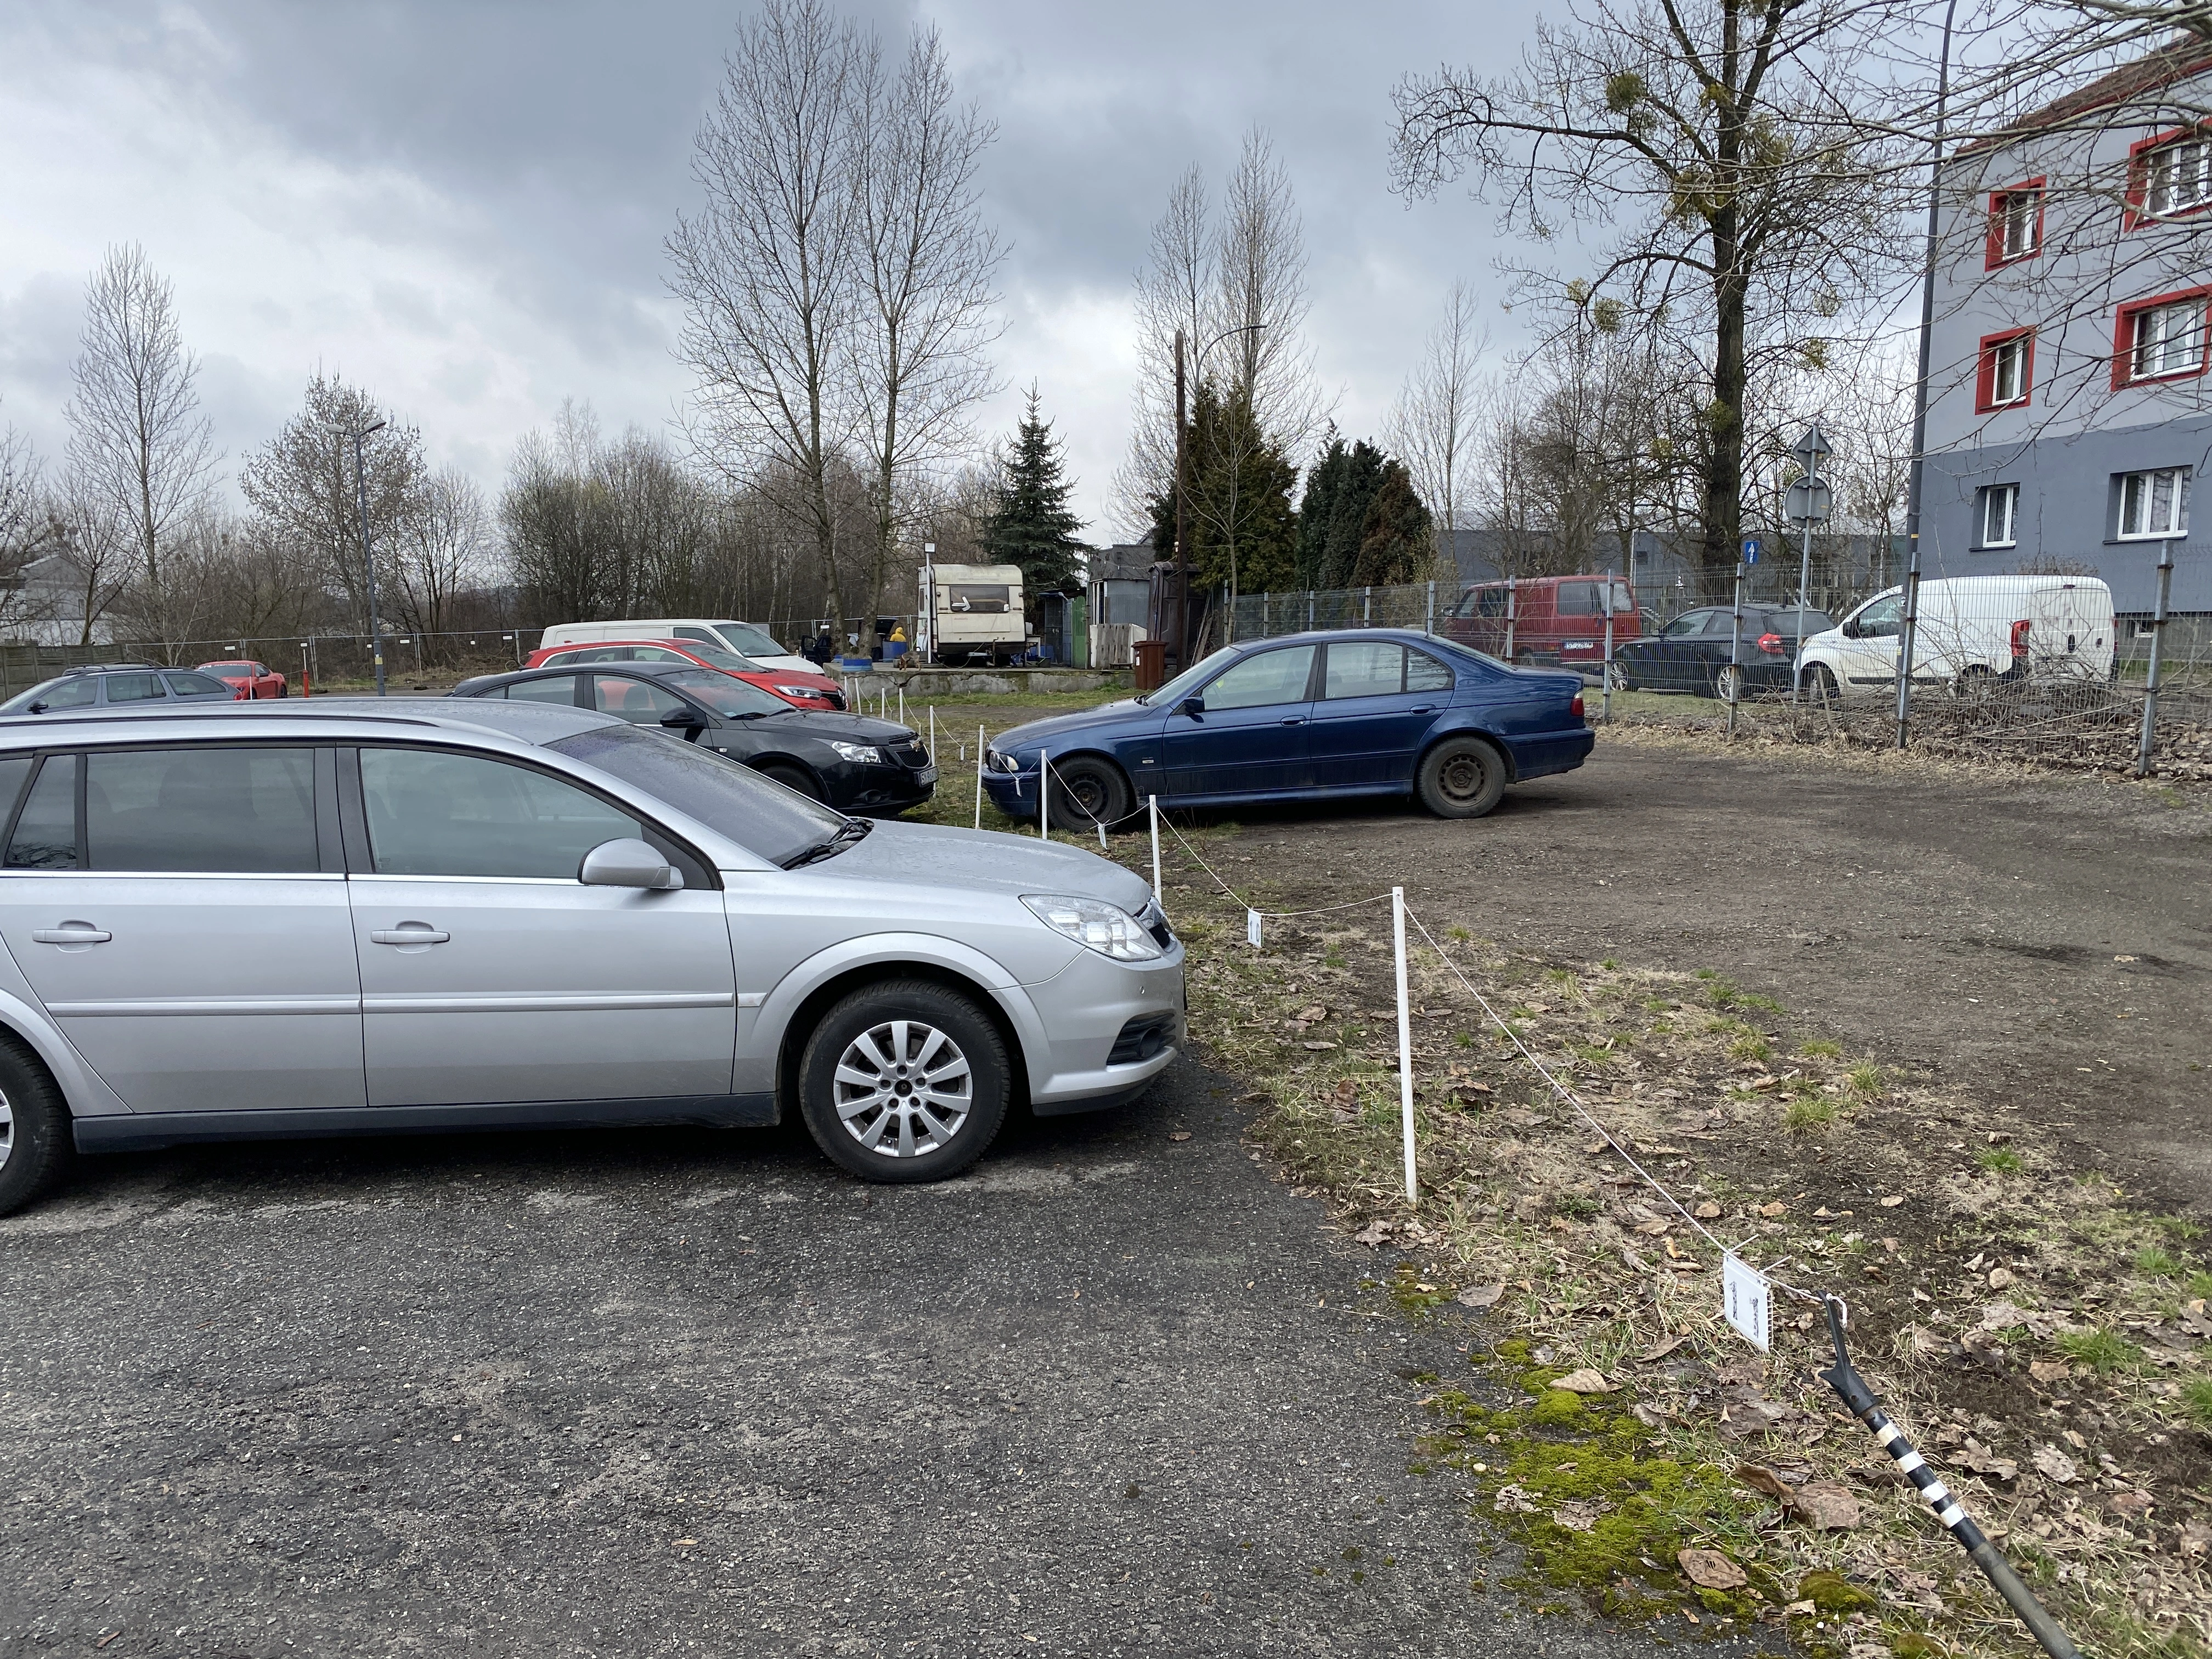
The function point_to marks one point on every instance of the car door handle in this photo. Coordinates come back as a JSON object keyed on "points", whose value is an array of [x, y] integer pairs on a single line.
{"points": [[70, 935], [408, 936], [1424, 708], [1295, 719]]}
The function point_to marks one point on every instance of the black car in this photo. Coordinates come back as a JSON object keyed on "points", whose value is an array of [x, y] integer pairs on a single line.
{"points": [[97, 684], [1693, 652], [848, 762]]}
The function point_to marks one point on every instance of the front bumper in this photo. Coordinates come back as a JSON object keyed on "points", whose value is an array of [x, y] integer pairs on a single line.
{"points": [[891, 788], [1086, 1010], [1014, 793]]}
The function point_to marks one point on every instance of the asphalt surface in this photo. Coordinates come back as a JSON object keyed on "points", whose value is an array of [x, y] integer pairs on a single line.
{"points": [[674, 1393], [2041, 947]]}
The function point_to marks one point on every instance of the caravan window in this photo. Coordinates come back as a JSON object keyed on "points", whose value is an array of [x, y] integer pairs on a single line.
{"points": [[980, 601]]}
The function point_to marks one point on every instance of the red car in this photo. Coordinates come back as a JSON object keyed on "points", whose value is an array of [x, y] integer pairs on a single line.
{"points": [[814, 691], [249, 680], [1553, 622]]}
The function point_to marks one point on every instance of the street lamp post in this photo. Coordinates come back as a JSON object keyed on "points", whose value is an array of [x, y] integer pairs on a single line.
{"points": [[367, 552]]}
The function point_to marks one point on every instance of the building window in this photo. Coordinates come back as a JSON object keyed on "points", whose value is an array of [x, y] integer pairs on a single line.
{"points": [[2000, 516], [2160, 340], [2008, 363], [2176, 178], [2015, 223], [2155, 504]]}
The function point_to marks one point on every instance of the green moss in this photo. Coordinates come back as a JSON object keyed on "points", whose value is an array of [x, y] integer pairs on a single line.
{"points": [[1556, 1407], [1913, 1645], [1514, 1349], [1831, 1592]]}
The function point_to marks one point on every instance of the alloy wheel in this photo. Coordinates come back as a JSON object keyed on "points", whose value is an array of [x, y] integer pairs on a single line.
{"points": [[1728, 686], [6, 1130], [903, 1088]]}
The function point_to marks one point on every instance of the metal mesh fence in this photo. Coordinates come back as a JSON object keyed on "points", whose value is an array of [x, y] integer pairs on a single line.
{"points": [[308, 662]]}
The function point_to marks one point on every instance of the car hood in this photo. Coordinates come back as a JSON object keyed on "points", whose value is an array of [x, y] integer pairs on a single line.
{"points": [[1828, 636], [987, 860], [1055, 727], [829, 725]]}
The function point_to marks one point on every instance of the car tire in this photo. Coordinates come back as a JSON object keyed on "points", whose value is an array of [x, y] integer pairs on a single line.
{"points": [[1460, 778], [1617, 676], [795, 779], [1730, 683], [1819, 683], [1090, 790], [36, 1145], [853, 1073]]}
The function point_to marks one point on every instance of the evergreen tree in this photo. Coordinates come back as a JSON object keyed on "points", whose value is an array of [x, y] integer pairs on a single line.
{"points": [[1241, 528], [1030, 524], [1332, 517], [1395, 543]]}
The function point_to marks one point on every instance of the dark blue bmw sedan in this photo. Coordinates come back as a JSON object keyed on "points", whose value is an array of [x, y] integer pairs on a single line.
{"points": [[1366, 711]]}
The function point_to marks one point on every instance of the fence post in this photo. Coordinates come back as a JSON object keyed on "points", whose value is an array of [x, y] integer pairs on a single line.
{"points": [[1405, 1043], [979, 777], [1512, 612], [1736, 650], [1428, 621], [1367, 607], [1309, 609], [1605, 672], [2157, 641], [1906, 644]]}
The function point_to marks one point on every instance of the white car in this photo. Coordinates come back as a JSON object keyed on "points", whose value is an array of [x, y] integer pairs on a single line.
{"points": [[1971, 630], [748, 639]]}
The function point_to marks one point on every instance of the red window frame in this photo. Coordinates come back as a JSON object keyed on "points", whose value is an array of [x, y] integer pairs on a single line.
{"points": [[1985, 371], [2124, 338], [2139, 177], [1993, 253]]}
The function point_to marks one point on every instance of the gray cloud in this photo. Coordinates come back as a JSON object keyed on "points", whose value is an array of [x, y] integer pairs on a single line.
{"points": [[461, 204]]}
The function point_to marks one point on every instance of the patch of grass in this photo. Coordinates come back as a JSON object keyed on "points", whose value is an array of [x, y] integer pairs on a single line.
{"points": [[1657, 1005], [2196, 1399], [1708, 973], [2152, 1262], [1806, 1113], [2102, 1350], [1725, 994], [2200, 1283], [1865, 1080], [1609, 964], [1999, 1160], [1762, 1004], [1821, 1048], [1463, 1039], [1753, 1046], [1597, 1053], [1457, 934]]}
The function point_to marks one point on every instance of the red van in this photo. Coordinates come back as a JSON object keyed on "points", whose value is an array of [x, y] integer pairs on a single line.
{"points": [[1553, 620]]}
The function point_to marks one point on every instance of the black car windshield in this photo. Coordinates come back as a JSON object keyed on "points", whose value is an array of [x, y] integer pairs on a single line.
{"points": [[734, 698], [776, 823]]}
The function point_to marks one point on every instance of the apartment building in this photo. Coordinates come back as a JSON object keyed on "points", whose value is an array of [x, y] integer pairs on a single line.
{"points": [[2070, 410]]}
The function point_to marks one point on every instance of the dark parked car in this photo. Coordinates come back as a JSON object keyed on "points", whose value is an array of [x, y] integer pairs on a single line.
{"points": [[1352, 712], [848, 762], [1693, 652], [101, 684]]}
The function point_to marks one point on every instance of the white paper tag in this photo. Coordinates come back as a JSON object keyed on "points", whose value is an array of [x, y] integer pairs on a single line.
{"points": [[1252, 928], [1101, 839], [1744, 1300]]}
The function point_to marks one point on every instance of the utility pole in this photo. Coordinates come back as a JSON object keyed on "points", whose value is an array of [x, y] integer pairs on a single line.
{"points": [[1181, 638], [367, 552]]}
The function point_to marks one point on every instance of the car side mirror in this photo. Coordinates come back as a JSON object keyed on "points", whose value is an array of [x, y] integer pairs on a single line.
{"points": [[1193, 707], [683, 718], [36, 708], [629, 863]]}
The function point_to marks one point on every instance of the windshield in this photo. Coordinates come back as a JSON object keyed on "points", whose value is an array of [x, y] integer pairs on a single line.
{"points": [[716, 657], [776, 823], [722, 694], [752, 641], [1189, 681]]}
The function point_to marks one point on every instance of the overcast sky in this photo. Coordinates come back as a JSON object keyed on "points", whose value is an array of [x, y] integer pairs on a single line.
{"points": [[460, 203]]}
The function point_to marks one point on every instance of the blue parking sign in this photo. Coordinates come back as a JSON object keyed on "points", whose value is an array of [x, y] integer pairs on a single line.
{"points": [[1751, 549]]}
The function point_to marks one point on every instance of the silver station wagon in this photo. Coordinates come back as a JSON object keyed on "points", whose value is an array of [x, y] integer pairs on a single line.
{"points": [[265, 919]]}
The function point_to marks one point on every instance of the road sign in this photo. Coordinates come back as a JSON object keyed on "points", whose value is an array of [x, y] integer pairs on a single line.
{"points": [[1751, 549], [1810, 447], [1807, 502]]}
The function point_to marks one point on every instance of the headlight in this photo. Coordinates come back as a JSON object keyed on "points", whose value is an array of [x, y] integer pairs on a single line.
{"points": [[812, 692], [1105, 928], [998, 763], [860, 754]]}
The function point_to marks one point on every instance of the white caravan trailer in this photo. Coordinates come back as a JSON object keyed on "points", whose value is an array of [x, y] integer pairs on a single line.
{"points": [[1971, 628], [971, 610]]}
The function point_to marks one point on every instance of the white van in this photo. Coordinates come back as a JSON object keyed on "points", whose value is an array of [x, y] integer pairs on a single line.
{"points": [[1970, 626], [746, 639]]}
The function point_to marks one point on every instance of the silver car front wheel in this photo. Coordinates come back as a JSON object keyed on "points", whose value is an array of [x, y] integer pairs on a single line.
{"points": [[7, 1131], [904, 1089]]}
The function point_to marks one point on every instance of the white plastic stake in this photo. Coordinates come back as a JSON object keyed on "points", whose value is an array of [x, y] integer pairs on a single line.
{"points": [[1044, 797], [902, 702], [1153, 802], [932, 731], [1405, 1041], [979, 777]]}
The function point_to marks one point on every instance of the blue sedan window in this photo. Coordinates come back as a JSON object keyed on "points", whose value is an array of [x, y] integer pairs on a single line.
{"points": [[1365, 668], [1269, 678]]}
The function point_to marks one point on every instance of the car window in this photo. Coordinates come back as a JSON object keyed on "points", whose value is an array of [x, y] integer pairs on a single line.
{"points": [[1362, 668], [205, 808], [1576, 599], [656, 653], [638, 702], [747, 641], [57, 694], [558, 689], [774, 822], [1624, 601], [1881, 619], [1183, 684], [723, 695], [188, 683], [1683, 626], [15, 771], [1722, 622], [1270, 677], [45, 829], [1425, 673], [594, 654], [436, 814], [133, 688]]}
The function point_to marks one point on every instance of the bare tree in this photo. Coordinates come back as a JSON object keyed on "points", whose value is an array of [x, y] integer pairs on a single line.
{"points": [[1749, 164], [443, 554], [1433, 426], [1174, 293], [767, 269], [140, 451], [1263, 296], [926, 265]]}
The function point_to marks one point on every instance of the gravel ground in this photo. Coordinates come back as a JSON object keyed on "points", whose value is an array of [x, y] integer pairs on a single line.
{"points": [[674, 1393]]}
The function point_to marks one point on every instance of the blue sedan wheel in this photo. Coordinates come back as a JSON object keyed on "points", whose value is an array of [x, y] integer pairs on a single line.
{"points": [[1461, 778]]}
